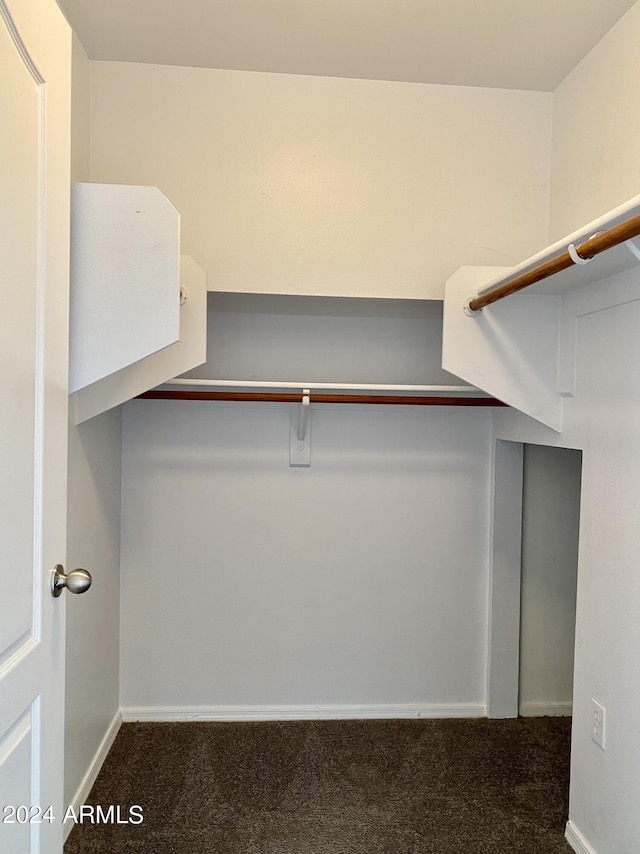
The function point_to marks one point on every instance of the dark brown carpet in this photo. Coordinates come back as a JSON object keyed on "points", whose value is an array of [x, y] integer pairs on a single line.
{"points": [[336, 787]]}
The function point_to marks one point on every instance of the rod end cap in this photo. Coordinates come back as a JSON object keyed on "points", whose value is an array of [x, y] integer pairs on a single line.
{"points": [[468, 310]]}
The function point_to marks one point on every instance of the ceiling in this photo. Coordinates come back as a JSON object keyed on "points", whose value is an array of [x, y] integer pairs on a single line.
{"points": [[515, 44]]}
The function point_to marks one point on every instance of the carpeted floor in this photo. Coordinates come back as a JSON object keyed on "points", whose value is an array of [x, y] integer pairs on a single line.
{"points": [[335, 787]]}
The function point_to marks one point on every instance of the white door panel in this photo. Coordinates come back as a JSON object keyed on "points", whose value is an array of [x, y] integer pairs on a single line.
{"points": [[19, 152], [34, 240]]}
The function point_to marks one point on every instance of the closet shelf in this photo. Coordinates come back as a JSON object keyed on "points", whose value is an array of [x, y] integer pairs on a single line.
{"points": [[618, 257], [523, 349], [372, 387], [124, 279], [138, 308]]}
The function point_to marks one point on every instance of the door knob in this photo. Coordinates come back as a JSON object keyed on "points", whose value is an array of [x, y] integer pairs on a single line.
{"points": [[76, 581]]}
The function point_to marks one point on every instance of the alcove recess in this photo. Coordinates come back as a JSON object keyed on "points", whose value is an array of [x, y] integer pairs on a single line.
{"points": [[274, 341]]}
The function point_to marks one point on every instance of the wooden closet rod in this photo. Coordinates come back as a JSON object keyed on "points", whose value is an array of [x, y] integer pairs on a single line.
{"points": [[283, 397], [585, 251]]}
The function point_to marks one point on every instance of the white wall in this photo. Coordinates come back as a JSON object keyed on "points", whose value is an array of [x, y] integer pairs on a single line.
{"points": [[80, 113], [93, 622], [602, 420], [93, 541], [292, 184], [246, 583], [596, 131], [550, 522], [595, 167]]}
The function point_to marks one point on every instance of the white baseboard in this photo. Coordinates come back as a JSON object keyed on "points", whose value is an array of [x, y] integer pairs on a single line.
{"points": [[94, 769], [300, 713], [543, 710], [576, 840]]}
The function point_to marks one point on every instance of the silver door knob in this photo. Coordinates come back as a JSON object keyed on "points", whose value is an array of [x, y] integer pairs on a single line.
{"points": [[76, 581]]}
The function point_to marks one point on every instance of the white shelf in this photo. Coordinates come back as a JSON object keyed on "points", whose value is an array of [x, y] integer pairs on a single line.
{"points": [[511, 349], [609, 263], [326, 386], [128, 330], [190, 350], [125, 278]]}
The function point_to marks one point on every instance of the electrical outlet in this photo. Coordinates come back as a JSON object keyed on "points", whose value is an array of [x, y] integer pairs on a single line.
{"points": [[598, 723]]}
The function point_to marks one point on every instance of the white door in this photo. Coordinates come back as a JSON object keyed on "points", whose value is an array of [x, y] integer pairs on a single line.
{"points": [[35, 67]]}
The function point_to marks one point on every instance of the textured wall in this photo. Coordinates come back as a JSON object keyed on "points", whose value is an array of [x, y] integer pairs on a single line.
{"points": [[248, 583], [596, 131], [291, 184]]}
